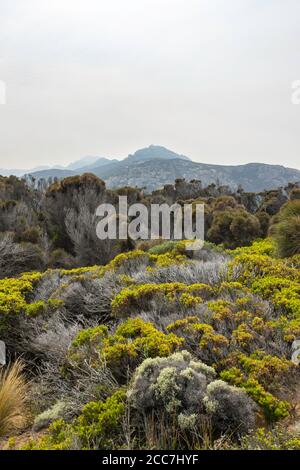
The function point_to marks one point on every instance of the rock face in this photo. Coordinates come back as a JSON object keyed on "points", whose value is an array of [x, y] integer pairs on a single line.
{"points": [[154, 167]]}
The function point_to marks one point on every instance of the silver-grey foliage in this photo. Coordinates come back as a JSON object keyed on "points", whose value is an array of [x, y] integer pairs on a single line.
{"points": [[180, 386], [210, 272], [231, 409]]}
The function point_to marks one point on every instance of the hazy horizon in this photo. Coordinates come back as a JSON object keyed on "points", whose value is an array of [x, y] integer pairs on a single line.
{"points": [[119, 158], [210, 79]]}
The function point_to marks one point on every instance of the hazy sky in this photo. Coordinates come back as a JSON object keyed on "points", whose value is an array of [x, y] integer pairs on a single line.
{"points": [[207, 78]]}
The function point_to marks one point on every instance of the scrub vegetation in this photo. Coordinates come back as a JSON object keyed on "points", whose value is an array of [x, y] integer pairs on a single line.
{"points": [[148, 345]]}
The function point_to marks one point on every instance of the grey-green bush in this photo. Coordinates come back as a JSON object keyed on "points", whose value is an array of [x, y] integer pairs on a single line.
{"points": [[230, 408], [182, 388]]}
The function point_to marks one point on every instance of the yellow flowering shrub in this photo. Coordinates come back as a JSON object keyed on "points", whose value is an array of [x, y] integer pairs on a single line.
{"points": [[268, 370], [132, 341], [94, 270], [14, 293], [213, 344], [126, 258], [137, 297], [243, 335], [278, 438], [97, 427], [274, 409], [259, 247]]}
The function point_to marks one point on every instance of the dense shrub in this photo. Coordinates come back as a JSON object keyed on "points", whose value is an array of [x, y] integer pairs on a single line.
{"points": [[99, 426], [54, 413], [212, 345], [274, 409], [274, 279], [16, 258], [231, 411], [233, 228], [137, 297], [14, 292], [132, 342], [295, 194], [170, 384], [179, 387], [286, 229]]}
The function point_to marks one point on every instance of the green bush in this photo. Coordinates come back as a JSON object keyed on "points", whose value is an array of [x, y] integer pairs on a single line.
{"points": [[132, 342], [274, 409], [233, 228], [286, 231], [99, 426]]}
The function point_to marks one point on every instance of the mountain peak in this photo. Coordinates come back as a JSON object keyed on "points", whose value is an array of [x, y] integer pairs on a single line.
{"points": [[84, 161], [156, 152]]}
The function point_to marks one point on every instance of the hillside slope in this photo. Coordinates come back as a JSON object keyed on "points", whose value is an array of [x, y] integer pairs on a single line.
{"points": [[155, 166]]}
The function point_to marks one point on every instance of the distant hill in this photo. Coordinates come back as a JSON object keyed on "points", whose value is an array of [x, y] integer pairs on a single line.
{"points": [[45, 171], [155, 166], [97, 164], [85, 161], [154, 174], [88, 163], [21, 172]]}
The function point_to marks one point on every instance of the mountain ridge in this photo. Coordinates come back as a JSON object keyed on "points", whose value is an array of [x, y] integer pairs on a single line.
{"points": [[155, 166]]}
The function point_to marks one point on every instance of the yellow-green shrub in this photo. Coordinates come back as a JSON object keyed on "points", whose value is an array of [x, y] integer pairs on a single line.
{"points": [[137, 297], [242, 335], [132, 342], [36, 308], [269, 370], [258, 247], [273, 408], [90, 337], [14, 293], [208, 340], [99, 426], [279, 438]]}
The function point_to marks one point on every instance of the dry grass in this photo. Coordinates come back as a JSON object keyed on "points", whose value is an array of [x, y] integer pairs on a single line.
{"points": [[161, 434], [13, 391]]}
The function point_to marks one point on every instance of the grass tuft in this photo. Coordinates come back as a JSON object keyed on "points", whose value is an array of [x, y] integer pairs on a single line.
{"points": [[13, 391]]}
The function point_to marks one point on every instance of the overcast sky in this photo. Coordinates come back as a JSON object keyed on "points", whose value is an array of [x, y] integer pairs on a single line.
{"points": [[207, 78]]}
